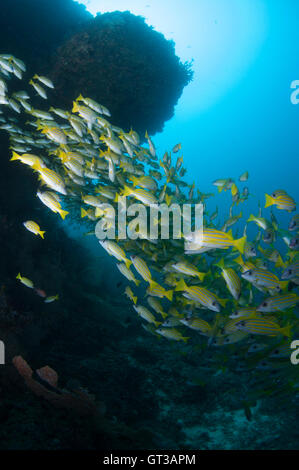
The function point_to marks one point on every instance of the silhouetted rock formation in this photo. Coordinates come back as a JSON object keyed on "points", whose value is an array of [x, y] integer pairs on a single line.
{"points": [[118, 60]]}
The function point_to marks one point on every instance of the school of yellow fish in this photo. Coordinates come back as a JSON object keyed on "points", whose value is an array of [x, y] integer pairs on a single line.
{"points": [[231, 298]]}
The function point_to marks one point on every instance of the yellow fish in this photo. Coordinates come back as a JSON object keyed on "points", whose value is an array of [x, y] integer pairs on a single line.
{"points": [[34, 228]]}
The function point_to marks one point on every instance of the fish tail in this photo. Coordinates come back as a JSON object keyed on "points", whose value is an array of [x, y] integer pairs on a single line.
{"points": [[157, 323], [239, 244], [269, 201], [181, 285], [279, 263], [15, 156], [286, 331], [234, 189], [169, 295], [75, 107], [185, 338], [220, 264], [134, 180], [284, 285], [164, 315], [63, 213], [41, 233], [223, 302], [83, 212], [126, 191], [137, 282], [128, 263], [239, 260]]}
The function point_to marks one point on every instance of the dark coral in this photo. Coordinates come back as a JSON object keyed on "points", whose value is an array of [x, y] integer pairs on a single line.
{"points": [[32, 30], [118, 60]]}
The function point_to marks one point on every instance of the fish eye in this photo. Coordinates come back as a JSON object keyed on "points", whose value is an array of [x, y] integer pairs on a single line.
{"points": [[274, 194], [264, 304]]}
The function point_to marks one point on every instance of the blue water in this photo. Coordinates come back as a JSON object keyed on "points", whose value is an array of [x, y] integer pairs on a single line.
{"points": [[236, 115]]}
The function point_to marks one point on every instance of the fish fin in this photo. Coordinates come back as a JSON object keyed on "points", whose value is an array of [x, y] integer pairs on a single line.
{"points": [[220, 264], [279, 263], [185, 338], [234, 189], [286, 331], [36, 166], [269, 201], [15, 156], [239, 244], [83, 213], [128, 263], [134, 180], [169, 295], [157, 323], [239, 260], [251, 218], [126, 191], [284, 285], [168, 199], [134, 298], [19, 276], [63, 213], [181, 285], [222, 302], [75, 107], [261, 250]]}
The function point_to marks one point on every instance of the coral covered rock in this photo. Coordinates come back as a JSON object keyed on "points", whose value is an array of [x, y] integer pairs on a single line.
{"points": [[121, 62]]}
